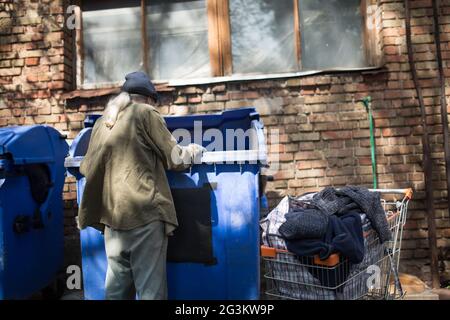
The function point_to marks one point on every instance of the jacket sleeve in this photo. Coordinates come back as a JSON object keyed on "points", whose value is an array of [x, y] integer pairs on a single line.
{"points": [[174, 156], [87, 163]]}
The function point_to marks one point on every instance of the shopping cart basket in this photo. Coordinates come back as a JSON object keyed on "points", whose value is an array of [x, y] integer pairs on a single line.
{"points": [[376, 277]]}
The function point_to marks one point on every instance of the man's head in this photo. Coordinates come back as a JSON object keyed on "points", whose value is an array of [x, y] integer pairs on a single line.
{"points": [[139, 83]]}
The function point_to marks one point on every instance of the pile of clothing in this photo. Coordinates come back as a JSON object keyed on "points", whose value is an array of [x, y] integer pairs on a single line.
{"points": [[320, 224]]}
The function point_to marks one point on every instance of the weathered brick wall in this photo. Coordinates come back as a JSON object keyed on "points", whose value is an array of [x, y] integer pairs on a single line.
{"points": [[324, 135], [35, 68]]}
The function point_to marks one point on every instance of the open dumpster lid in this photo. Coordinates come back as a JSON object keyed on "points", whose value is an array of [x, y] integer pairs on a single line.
{"points": [[245, 118], [212, 120]]}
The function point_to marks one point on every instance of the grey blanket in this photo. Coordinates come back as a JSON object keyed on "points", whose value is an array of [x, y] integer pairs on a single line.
{"points": [[304, 224], [333, 201]]}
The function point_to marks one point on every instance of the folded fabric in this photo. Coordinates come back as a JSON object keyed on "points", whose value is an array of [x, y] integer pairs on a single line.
{"points": [[304, 224], [347, 199], [328, 201], [370, 203], [350, 207], [344, 235]]}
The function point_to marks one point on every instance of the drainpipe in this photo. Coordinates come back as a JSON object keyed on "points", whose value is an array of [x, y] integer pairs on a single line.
{"points": [[444, 115], [427, 161], [367, 101]]}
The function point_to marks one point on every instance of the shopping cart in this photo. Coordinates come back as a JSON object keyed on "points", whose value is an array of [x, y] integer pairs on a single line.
{"points": [[376, 277]]}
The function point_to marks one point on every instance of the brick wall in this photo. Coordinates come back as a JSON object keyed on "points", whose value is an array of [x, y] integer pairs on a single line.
{"points": [[324, 135]]}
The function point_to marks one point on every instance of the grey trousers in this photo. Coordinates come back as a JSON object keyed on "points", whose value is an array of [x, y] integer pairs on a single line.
{"points": [[136, 263]]}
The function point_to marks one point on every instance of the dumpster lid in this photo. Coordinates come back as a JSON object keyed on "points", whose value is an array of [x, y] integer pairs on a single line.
{"points": [[210, 120], [244, 117], [27, 144]]}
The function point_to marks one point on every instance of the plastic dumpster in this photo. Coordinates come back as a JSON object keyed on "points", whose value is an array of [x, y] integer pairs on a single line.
{"points": [[31, 209], [214, 253]]}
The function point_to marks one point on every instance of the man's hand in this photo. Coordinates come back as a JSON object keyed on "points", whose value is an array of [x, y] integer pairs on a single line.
{"points": [[196, 152]]}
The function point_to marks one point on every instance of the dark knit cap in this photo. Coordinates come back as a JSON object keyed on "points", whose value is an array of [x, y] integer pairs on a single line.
{"points": [[139, 83]]}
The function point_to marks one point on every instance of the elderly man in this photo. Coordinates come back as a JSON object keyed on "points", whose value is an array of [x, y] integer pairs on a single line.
{"points": [[127, 193]]}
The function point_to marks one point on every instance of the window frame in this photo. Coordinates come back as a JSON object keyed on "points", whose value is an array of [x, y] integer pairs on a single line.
{"points": [[220, 49]]}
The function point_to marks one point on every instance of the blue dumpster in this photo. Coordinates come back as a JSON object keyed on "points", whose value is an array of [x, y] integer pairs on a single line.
{"points": [[214, 254], [32, 177]]}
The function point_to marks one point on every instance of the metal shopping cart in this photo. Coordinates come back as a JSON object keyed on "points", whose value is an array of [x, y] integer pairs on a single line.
{"points": [[376, 277]]}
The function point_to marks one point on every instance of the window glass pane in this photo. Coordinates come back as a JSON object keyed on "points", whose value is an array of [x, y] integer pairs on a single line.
{"points": [[178, 39], [262, 36], [331, 34], [111, 40]]}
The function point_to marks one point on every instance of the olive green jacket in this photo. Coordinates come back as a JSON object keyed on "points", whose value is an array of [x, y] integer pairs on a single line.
{"points": [[126, 184]]}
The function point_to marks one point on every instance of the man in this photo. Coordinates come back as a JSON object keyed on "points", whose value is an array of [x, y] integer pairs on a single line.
{"points": [[127, 193]]}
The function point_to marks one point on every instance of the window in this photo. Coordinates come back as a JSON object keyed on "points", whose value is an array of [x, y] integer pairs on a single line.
{"points": [[262, 36], [179, 39], [111, 34], [331, 34], [168, 39]]}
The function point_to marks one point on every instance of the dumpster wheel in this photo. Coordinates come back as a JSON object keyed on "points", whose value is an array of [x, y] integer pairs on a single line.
{"points": [[55, 290]]}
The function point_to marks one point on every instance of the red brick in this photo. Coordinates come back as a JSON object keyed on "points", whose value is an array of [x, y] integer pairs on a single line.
{"points": [[251, 95], [195, 99], [219, 88], [56, 85], [282, 175], [180, 100], [319, 173], [392, 132], [335, 135], [307, 155], [32, 77]]}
